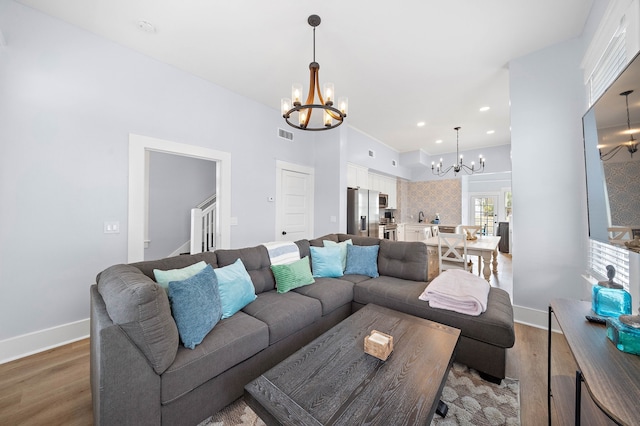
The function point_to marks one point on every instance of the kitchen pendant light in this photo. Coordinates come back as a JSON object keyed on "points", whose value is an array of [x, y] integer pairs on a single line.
{"points": [[332, 116], [632, 144], [459, 166]]}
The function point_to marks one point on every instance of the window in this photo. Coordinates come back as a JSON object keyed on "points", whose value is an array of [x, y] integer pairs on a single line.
{"points": [[600, 255]]}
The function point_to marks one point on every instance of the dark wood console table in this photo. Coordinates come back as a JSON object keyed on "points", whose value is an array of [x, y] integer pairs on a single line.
{"points": [[611, 377]]}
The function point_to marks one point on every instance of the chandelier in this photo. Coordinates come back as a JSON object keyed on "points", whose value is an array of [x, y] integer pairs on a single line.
{"points": [[332, 116], [437, 169], [632, 144]]}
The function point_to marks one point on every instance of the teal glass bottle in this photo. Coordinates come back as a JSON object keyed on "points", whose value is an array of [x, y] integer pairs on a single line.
{"points": [[625, 337], [610, 302]]}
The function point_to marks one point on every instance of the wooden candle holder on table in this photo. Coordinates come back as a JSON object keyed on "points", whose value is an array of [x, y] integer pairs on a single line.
{"points": [[378, 344]]}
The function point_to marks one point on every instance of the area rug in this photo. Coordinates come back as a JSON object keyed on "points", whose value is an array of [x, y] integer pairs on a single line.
{"points": [[471, 401]]}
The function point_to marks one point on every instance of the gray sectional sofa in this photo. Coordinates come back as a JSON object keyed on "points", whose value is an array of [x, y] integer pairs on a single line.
{"points": [[141, 374]]}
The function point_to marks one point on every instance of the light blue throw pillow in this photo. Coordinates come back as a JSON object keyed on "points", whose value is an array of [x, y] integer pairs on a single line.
{"points": [[163, 278], [236, 288], [326, 262], [195, 304], [362, 260], [343, 249]]}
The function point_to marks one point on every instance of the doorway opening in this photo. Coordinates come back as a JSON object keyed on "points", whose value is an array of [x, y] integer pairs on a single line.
{"points": [[139, 146]]}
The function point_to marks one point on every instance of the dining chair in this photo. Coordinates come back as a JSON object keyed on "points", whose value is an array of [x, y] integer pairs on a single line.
{"points": [[450, 256], [472, 230], [434, 230], [618, 235]]}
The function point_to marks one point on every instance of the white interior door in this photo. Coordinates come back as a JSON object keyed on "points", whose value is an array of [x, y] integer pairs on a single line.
{"points": [[294, 202], [484, 212]]}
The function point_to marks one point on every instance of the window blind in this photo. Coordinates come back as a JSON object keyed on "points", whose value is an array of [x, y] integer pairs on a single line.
{"points": [[601, 255]]}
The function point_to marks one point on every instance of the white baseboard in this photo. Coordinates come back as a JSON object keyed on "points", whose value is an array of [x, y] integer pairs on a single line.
{"points": [[42, 340], [534, 318]]}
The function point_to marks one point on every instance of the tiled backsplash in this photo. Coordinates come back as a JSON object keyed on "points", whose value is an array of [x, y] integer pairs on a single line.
{"points": [[440, 196]]}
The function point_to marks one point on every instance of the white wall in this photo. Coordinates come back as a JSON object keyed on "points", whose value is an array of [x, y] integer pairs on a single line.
{"points": [[69, 100], [548, 183], [498, 159], [358, 153], [176, 185]]}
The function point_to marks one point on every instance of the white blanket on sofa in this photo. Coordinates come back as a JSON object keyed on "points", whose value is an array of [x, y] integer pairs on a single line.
{"points": [[459, 291], [282, 252]]}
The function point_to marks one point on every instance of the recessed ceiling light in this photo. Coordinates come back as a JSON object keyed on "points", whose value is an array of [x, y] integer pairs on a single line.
{"points": [[421, 124], [439, 141], [146, 26], [485, 108], [490, 132]]}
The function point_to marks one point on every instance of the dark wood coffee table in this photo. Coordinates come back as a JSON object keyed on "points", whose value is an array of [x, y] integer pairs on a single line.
{"points": [[333, 381]]}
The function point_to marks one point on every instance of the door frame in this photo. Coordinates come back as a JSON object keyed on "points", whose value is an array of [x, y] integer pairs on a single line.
{"points": [[283, 165], [138, 148]]}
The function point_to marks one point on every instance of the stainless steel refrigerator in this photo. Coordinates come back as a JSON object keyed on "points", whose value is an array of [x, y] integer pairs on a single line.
{"points": [[363, 217]]}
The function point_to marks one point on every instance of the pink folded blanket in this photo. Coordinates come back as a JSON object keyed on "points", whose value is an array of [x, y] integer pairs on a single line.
{"points": [[459, 291]]}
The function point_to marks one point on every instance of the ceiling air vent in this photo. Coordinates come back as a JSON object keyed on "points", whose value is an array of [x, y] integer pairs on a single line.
{"points": [[372, 153], [285, 135]]}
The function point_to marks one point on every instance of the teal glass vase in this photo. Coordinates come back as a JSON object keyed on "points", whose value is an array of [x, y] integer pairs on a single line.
{"points": [[625, 337], [610, 302]]}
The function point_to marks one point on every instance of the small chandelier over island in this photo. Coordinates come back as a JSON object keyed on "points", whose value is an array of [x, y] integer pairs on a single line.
{"points": [[437, 169], [332, 116]]}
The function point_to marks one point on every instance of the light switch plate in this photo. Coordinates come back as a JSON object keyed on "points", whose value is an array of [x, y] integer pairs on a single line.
{"points": [[112, 227]]}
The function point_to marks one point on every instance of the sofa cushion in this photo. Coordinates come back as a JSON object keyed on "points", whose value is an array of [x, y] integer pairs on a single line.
{"points": [[195, 304], [319, 242], [256, 262], [400, 259], [292, 275], [175, 262], [235, 287], [284, 313], [232, 341], [362, 260], [359, 241], [141, 308], [326, 262], [495, 326], [331, 292]]}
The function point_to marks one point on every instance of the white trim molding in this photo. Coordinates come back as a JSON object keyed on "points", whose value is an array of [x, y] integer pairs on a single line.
{"points": [[138, 146], [43, 340]]}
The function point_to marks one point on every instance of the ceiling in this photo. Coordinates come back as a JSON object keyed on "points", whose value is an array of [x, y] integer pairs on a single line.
{"points": [[398, 62]]}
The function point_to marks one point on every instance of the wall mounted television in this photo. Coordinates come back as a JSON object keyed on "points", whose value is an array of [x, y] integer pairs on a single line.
{"points": [[613, 177]]}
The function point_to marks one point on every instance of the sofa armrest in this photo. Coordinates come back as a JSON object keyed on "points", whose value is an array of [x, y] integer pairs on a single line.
{"points": [[124, 387]]}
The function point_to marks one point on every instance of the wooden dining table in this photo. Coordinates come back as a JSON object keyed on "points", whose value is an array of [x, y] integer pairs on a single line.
{"points": [[485, 246]]}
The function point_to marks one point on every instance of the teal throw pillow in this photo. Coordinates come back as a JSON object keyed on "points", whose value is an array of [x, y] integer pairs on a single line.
{"points": [[362, 260], [163, 278], [343, 249], [292, 275], [236, 288], [326, 262], [195, 304]]}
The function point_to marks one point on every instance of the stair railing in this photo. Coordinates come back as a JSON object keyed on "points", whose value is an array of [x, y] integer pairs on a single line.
{"points": [[203, 226]]}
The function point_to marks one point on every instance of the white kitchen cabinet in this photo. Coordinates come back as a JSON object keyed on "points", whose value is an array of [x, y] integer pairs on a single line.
{"points": [[357, 176], [416, 232], [393, 193], [400, 231], [385, 185]]}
